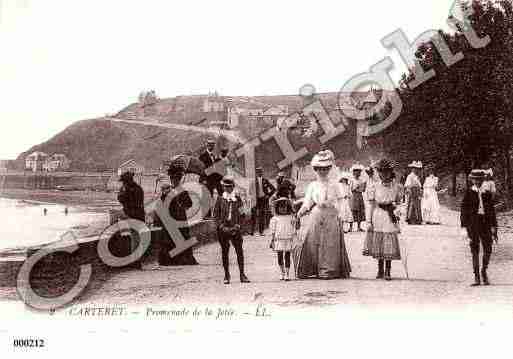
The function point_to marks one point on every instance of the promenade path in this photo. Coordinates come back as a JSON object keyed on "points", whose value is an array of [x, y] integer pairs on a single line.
{"points": [[439, 269]]}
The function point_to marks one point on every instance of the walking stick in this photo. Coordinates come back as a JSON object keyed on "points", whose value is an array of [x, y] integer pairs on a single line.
{"points": [[404, 259]]}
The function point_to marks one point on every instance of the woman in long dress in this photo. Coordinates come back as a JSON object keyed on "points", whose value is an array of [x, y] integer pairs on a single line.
{"points": [[320, 251], [430, 203], [382, 243], [346, 215], [413, 188], [358, 186]]}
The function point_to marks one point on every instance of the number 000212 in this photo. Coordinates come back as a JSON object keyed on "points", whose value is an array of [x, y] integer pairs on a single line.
{"points": [[29, 343]]}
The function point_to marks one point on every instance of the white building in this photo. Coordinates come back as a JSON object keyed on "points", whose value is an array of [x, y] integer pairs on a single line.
{"points": [[130, 166], [36, 161], [56, 162]]}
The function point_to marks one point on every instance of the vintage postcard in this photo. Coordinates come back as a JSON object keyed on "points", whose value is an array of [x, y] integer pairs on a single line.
{"points": [[269, 176]]}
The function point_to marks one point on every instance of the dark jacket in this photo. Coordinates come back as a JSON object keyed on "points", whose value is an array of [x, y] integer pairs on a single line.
{"points": [[178, 211], [214, 178], [470, 206], [267, 188], [131, 197], [221, 213]]}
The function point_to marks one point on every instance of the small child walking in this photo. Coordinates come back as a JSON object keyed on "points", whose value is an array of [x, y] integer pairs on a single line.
{"points": [[283, 229]]}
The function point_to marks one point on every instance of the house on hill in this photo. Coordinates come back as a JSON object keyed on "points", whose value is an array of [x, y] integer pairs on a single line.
{"points": [[130, 166], [57, 162], [36, 161]]}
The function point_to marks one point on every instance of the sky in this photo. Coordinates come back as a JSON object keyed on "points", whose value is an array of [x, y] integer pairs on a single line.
{"points": [[63, 61]]}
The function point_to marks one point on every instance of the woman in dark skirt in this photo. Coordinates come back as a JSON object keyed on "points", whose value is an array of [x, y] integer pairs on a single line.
{"points": [[358, 186], [413, 188], [178, 206]]}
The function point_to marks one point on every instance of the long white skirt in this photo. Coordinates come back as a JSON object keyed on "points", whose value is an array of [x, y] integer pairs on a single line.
{"points": [[430, 206]]}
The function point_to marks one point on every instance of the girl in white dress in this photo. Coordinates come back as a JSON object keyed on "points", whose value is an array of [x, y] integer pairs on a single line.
{"points": [[283, 230], [383, 242], [430, 202], [346, 214]]}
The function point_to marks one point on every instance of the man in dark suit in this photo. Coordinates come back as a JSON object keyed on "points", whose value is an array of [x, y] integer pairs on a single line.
{"points": [[260, 191], [209, 159], [131, 197], [479, 219], [228, 216]]}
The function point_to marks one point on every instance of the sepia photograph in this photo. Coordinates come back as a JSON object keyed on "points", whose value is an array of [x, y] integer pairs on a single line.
{"points": [[296, 178]]}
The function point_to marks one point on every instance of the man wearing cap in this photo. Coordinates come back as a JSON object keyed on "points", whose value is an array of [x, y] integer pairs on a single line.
{"points": [[213, 180], [480, 222], [228, 216], [260, 191], [131, 197]]}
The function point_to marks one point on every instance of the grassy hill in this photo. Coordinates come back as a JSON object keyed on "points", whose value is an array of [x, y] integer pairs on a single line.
{"points": [[101, 144]]}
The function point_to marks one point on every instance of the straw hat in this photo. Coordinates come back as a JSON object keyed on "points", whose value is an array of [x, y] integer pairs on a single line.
{"points": [[324, 158], [415, 164], [228, 181], [477, 174], [384, 165]]}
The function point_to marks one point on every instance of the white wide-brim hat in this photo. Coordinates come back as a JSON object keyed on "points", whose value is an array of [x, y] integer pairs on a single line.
{"points": [[415, 164], [324, 158]]}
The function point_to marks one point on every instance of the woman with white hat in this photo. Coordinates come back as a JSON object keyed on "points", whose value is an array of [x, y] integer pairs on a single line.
{"points": [[413, 189], [322, 252]]}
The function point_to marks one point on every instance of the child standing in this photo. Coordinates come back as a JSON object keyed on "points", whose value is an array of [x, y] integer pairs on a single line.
{"points": [[282, 231]]}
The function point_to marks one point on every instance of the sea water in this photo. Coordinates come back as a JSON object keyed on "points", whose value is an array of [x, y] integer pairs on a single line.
{"points": [[24, 224]]}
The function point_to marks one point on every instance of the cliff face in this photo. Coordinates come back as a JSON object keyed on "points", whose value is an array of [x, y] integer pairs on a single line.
{"points": [[101, 144]]}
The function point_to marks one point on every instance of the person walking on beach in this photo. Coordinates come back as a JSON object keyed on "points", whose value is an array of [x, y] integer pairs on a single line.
{"points": [[283, 230], [228, 216], [45, 212], [358, 186], [413, 188], [382, 241], [479, 220]]}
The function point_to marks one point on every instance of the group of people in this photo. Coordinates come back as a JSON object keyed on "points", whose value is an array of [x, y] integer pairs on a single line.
{"points": [[422, 204], [261, 191], [309, 233]]}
